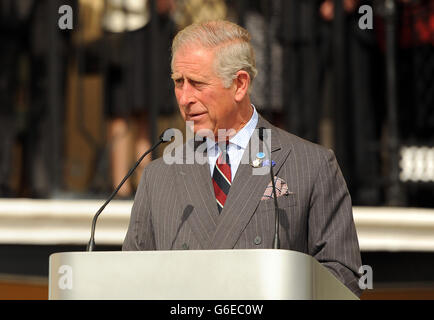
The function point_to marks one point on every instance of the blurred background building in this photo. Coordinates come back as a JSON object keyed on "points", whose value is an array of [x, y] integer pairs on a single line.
{"points": [[79, 106]]}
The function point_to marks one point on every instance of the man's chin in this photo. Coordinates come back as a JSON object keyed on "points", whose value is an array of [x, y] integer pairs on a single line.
{"points": [[202, 130]]}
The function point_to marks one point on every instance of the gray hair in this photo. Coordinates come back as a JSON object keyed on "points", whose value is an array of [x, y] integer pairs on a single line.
{"points": [[233, 53]]}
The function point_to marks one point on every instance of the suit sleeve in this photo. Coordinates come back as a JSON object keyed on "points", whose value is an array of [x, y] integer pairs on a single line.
{"points": [[332, 237], [140, 235]]}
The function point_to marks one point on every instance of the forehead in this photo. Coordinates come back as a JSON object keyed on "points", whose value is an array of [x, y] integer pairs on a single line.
{"points": [[193, 60]]}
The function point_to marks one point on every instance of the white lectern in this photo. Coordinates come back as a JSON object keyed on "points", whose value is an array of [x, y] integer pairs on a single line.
{"points": [[192, 275]]}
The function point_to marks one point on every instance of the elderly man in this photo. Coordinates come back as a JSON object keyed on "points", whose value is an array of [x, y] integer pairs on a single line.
{"points": [[222, 204]]}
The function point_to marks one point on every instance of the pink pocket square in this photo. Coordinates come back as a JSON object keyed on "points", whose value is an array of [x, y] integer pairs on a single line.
{"points": [[281, 189]]}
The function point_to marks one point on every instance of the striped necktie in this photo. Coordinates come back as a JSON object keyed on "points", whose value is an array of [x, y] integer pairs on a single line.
{"points": [[221, 178]]}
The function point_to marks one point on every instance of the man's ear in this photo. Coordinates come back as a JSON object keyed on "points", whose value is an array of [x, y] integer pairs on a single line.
{"points": [[242, 83]]}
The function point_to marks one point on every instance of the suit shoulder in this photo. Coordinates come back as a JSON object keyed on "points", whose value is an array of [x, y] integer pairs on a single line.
{"points": [[156, 167], [163, 164], [157, 164], [299, 144]]}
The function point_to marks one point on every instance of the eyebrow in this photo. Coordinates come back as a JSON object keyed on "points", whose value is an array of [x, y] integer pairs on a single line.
{"points": [[177, 76]]}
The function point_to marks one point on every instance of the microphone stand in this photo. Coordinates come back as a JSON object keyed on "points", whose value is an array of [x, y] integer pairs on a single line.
{"points": [[165, 137], [276, 239]]}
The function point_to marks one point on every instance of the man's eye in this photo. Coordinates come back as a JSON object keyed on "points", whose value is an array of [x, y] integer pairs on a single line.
{"points": [[196, 83], [179, 81]]}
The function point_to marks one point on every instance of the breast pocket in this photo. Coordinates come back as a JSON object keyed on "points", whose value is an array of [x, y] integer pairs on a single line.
{"points": [[283, 202]]}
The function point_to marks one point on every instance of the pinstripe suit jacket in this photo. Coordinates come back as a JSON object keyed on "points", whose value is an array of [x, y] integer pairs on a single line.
{"points": [[175, 208]]}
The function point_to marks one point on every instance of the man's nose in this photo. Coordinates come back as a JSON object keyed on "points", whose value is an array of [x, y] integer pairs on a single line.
{"points": [[186, 95]]}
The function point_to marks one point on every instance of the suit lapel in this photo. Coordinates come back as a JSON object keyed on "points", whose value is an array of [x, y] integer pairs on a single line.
{"points": [[195, 187], [242, 201]]}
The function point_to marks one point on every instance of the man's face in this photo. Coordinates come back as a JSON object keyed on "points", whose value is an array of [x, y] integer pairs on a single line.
{"points": [[200, 93]]}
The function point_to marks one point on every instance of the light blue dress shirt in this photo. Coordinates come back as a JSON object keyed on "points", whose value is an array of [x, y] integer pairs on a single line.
{"points": [[237, 145]]}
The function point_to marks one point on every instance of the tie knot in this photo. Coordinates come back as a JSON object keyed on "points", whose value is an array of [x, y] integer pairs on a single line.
{"points": [[224, 156], [224, 145]]}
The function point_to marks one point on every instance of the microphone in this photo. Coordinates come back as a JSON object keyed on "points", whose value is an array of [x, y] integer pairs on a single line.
{"points": [[185, 215], [276, 239], [166, 136]]}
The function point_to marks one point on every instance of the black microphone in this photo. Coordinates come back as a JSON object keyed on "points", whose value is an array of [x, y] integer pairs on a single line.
{"points": [[166, 136], [276, 239]]}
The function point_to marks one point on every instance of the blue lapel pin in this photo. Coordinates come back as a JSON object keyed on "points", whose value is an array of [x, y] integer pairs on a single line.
{"points": [[266, 163], [259, 160]]}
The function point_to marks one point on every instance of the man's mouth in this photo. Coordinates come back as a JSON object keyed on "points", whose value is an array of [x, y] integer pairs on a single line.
{"points": [[195, 116]]}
